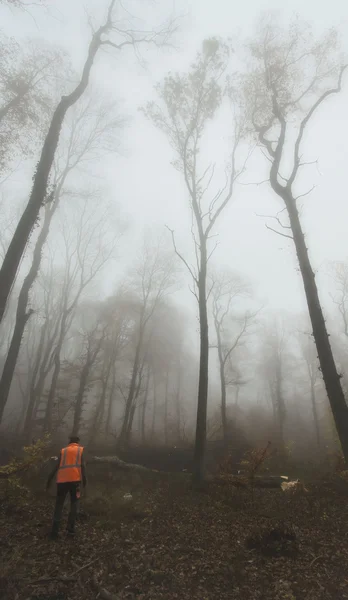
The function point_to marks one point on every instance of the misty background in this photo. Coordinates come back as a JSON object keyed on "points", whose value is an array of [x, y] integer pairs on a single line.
{"points": [[118, 203]]}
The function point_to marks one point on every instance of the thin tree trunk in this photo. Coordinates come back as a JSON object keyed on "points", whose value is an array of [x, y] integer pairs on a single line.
{"points": [[99, 413], [47, 425], [131, 393], [143, 408], [79, 397], [130, 425], [30, 215], [154, 408], [134, 406], [222, 382], [90, 359], [280, 411], [27, 427], [331, 377], [111, 396], [178, 405], [201, 425], [166, 400], [236, 401], [22, 315]]}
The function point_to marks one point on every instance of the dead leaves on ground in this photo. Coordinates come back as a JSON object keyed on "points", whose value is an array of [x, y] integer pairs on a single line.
{"points": [[188, 545]]}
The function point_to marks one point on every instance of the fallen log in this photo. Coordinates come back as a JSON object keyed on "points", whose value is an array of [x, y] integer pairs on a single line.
{"points": [[260, 481], [120, 464], [270, 481]]}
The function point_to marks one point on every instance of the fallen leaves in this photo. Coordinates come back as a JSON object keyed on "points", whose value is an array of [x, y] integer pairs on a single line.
{"points": [[186, 546]]}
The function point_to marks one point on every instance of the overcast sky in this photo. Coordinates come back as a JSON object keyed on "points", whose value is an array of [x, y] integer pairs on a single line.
{"points": [[148, 188]]}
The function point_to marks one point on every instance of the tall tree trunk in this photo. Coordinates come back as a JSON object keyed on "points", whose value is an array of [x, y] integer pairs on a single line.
{"points": [[280, 411], [201, 425], [134, 406], [166, 401], [99, 413], [178, 405], [47, 425], [30, 215], [315, 415], [331, 377], [143, 408], [222, 383], [79, 398], [111, 397], [122, 442], [22, 315], [130, 425], [154, 408], [27, 427]]}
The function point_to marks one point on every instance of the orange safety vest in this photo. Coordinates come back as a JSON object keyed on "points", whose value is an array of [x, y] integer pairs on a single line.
{"points": [[70, 464]]}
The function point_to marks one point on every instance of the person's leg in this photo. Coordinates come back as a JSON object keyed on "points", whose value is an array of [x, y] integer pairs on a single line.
{"points": [[74, 490], [62, 491]]}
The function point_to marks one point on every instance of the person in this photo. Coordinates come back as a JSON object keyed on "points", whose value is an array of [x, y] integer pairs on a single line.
{"points": [[71, 472]]}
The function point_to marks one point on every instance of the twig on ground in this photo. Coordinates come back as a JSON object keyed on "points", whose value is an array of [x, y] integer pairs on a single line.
{"points": [[315, 560], [64, 578], [102, 592]]}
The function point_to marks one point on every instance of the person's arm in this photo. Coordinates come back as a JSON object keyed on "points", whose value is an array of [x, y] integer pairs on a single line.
{"points": [[53, 472], [83, 471]]}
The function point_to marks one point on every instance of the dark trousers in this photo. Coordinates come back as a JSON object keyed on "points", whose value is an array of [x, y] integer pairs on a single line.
{"points": [[73, 488]]}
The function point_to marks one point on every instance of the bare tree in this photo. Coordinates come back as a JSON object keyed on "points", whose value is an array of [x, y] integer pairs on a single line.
{"points": [[292, 77], [28, 88], [309, 354], [189, 103], [115, 341], [118, 39], [84, 138], [339, 270], [230, 329], [85, 257], [272, 367], [23, 4], [93, 342], [23, 314], [152, 279]]}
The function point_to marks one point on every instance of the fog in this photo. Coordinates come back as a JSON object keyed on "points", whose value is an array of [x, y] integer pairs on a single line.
{"points": [[112, 342]]}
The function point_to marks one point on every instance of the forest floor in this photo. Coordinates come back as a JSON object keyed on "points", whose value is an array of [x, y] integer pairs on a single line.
{"points": [[175, 543]]}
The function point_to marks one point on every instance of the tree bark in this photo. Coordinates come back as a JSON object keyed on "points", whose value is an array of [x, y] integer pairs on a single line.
{"points": [[222, 382], [47, 426], [143, 408], [331, 377], [22, 315], [122, 442], [178, 405], [32, 391], [166, 401], [154, 408], [315, 416], [30, 215], [111, 396], [201, 424], [79, 397], [281, 411]]}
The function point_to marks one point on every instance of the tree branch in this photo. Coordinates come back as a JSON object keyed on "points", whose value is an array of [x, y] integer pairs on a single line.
{"points": [[194, 277], [279, 232]]}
